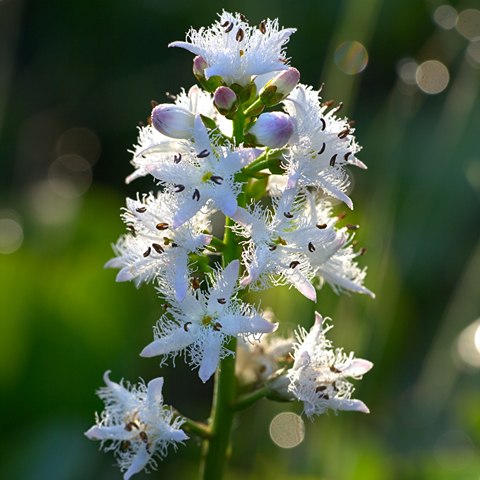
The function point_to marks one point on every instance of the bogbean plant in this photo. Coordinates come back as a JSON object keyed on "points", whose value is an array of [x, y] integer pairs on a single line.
{"points": [[219, 148]]}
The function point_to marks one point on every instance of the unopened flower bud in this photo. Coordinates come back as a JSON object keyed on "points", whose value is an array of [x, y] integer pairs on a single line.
{"points": [[273, 129], [173, 121], [277, 387], [199, 67], [279, 88], [225, 100]]}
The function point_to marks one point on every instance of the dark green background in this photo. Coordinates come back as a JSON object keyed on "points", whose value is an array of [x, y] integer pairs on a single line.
{"points": [[64, 320]]}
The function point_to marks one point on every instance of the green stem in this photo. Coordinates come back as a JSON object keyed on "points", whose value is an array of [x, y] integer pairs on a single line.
{"points": [[196, 427], [249, 399]]}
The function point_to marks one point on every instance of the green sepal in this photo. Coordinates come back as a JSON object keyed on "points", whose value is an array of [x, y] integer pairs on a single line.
{"points": [[208, 122], [211, 84], [257, 187], [275, 166]]}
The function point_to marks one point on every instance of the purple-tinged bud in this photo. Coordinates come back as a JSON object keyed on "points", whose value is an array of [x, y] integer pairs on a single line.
{"points": [[173, 121], [279, 88], [273, 129], [199, 67], [225, 100]]}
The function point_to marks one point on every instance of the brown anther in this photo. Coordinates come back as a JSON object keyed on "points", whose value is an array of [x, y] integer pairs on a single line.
{"points": [[221, 301], [324, 395], [179, 188], [130, 425], [154, 104], [185, 326], [347, 155], [141, 124], [149, 121], [334, 385], [352, 227], [324, 125], [332, 160], [162, 226], [243, 19], [196, 195], [171, 96], [158, 248], [340, 105], [240, 35], [223, 25], [322, 149], [216, 179], [195, 283], [125, 445], [177, 158], [362, 251], [165, 306], [203, 154], [311, 247], [217, 326], [321, 226], [288, 214], [229, 28], [328, 104], [272, 247], [334, 370], [344, 133], [351, 123], [262, 27], [174, 245], [341, 216], [283, 60], [147, 253], [321, 388], [132, 229], [143, 436], [147, 448], [322, 86], [294, 264], [141, 210]]}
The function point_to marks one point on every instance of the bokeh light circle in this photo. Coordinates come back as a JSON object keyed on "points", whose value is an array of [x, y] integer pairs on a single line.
{"points": [[454, 450], [79, 141], [473, 51], [445, 16], [11, 235], [407, 71], [468, 23], [70, 176], [432, 76], [468, 345], [351, 57], [287, 430]]}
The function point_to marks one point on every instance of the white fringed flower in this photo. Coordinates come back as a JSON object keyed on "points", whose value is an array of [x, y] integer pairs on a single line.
{"points": [[154, 249], [236, 51], [137, 424], [276, 252], [154, 146], [323, 146], [203, 323], [319, 375], [203, 177]]}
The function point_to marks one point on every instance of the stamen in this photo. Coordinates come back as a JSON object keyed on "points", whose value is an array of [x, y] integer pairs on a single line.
{"points": [[243, 19], [311, 248], [341, 216], [294, 264], [165, 306], [166, 240], [174, 245], [143, 436], [162, 226], [335, 370], [322, 86], [229, 29], [347, 155], [203, 154], [149, 121], [241, 53], [288, 214], [158, 248], [147, 253], [323, 124], [321, 226], [327, 104], [240, 35], [130, 425], [179, 188], [221, 301], [185, 326], [344, 133], [177, 159], [352, 227], [321, 388], [154, 104], [323, 148], [340, 105], [216, 179], [141, 210], [332, 160], [324, 395], [354, 243], [125, 445], [171, 96], [217, 326], [196, 195], [141, 124], [195, 283], [225, 24], [262, 27], [362, 251], [272, 247], [351, 123], [132, 229]]}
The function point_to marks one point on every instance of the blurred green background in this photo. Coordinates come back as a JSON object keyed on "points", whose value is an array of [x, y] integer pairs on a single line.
{"points": [[77, 76]]}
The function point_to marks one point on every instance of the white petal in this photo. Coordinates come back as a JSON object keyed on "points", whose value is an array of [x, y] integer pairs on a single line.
{"points": [[346, 283], [115, 263], [177, 340], [139, 463], [211, 357], [347, 404], [302, 285], [176, 435], [186, 212], [302, 360], [238, 324], [181, 280], [318, 320], [154, 391], [108, 433], [227, 204], [124, 275], [357, 367]]}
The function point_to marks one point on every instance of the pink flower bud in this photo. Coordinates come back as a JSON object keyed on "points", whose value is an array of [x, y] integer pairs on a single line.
{"points": [[273, 129], [173, 121], [279, 88], [225, 100], [199, 66]]}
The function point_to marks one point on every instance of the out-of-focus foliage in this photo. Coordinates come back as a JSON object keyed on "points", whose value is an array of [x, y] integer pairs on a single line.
{"points": [[94, 66]]}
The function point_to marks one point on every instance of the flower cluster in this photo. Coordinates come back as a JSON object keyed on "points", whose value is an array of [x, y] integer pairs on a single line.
{"points": [[218, 149]]}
